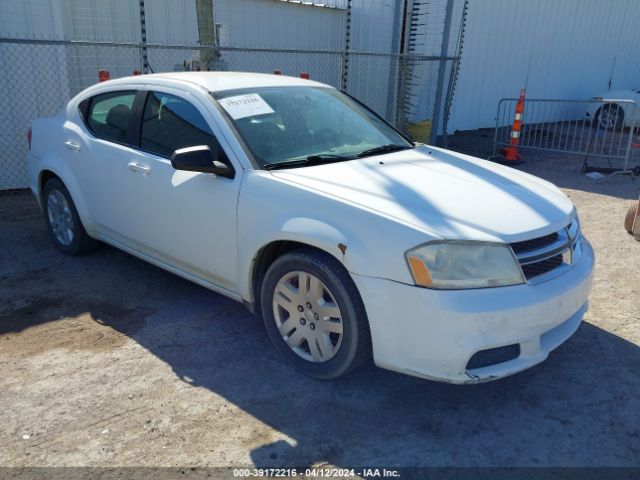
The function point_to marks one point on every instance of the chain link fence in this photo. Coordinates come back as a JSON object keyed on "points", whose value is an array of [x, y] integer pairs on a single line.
{"points": [[40, 75]]}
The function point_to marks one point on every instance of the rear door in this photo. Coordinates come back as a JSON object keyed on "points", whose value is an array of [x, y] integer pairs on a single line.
{"points": [[103, 155]]}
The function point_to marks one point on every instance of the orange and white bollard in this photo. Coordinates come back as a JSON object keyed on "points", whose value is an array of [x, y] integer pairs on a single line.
{"points": [[510, 153]]}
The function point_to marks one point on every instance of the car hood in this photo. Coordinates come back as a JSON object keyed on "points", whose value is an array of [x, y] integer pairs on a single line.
{"points": [[625, 94], [443, 193]]}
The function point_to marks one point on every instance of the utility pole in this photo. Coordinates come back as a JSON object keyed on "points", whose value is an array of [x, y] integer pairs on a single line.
{"points": [[442, 68], [206, 34], [394, 60]]}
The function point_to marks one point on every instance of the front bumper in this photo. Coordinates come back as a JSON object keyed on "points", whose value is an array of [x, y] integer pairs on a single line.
{"points": [[434, 333]]}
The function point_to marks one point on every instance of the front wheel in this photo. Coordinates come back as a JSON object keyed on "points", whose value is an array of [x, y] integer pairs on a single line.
{"points": [[610, 116], [314, 314]]}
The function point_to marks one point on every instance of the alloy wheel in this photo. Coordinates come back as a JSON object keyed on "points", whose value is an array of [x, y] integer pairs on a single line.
{"points": [[60, 217], [609, 117], [307, 316]]}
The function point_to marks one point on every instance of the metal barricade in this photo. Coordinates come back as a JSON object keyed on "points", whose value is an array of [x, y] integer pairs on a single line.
{"points": [[595, 128]]}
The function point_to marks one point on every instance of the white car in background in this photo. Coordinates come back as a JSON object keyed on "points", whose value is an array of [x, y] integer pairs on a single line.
{"points": [[616, 110], [346, 238]]}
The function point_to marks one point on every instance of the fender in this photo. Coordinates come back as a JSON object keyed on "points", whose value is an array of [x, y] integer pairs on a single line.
{"points": [[350, 233], [343, 246], [58, 167]]}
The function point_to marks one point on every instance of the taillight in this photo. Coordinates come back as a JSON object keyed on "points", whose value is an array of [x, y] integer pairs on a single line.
{"points": [[29, 137]]}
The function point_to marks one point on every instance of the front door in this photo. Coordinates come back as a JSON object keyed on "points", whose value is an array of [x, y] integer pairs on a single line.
{"points": [[186, 219]]}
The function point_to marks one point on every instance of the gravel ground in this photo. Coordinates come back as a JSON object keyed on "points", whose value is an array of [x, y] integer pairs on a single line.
{"points": [[109, 361]]}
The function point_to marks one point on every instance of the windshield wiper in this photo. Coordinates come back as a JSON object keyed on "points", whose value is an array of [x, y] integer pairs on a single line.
{"points": [[308, 161], [392, 147]]}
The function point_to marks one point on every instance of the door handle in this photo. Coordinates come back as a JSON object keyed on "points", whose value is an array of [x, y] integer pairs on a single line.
{"points": [[136, 167], [72, 145]]}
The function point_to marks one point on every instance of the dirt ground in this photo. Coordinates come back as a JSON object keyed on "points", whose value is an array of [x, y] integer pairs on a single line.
{"points": [[108, 361]]}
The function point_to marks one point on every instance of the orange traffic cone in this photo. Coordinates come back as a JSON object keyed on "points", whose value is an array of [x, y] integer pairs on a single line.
{"points": [[510, 154]]}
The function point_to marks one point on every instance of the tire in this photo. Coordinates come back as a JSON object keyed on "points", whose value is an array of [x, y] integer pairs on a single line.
{"points": [[334, 354], [60, 212], [609, 117]]}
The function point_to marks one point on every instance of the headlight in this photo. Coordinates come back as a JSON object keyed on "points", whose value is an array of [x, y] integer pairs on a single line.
{"points": [[457, 264]]}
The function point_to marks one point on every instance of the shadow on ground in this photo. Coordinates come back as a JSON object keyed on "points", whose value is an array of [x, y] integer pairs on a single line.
{"points": [[585, 395], [581, 407]]}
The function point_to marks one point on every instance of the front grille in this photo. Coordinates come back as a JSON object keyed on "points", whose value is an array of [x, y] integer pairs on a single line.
{"points": [[534, 244], [545, 254], [543, 266], [493, 356]]}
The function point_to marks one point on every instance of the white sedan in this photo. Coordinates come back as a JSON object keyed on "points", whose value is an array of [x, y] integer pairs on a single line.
{"points": [[347, 239], [615, 110]]}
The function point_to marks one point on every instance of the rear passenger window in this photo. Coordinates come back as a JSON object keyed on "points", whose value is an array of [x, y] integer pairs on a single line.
{"points": [[109, 115], [170, 123]]}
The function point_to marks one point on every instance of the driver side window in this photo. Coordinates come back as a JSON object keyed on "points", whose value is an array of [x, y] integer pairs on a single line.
{"points": [[170, 123]]}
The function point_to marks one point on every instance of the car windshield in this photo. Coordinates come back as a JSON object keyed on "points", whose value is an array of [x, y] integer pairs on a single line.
{"points": [[298, 126]]}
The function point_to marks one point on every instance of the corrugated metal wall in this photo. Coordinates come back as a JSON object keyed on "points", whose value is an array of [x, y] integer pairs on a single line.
{"points": [[557, 49], [101, 20], [276, 24], [430, 38], [33, 18], [171, 22]]}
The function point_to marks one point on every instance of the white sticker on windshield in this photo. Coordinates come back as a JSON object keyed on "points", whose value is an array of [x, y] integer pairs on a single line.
{"points": [[242, 106]]}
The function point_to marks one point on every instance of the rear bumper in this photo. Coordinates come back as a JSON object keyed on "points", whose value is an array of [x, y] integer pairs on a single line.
{"points": [[434, 333]]}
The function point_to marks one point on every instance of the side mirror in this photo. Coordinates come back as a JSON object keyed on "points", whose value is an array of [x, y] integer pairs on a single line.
{"points": [[201, 159]]}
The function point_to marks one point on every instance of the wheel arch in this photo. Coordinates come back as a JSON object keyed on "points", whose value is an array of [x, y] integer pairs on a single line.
{"points": [[264, 258], [48, 172], [43, 177]]}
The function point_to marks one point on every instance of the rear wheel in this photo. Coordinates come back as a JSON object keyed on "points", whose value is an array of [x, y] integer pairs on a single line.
{"points": [[314, 314], [63, 221]]}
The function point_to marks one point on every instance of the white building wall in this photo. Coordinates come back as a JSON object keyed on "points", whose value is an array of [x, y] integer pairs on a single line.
{"points": [[372, 26], [556, 49], [278, 24], [101, 20], [372, 31], [171, 22], [429, 39], [30, 86], [41, 19]]}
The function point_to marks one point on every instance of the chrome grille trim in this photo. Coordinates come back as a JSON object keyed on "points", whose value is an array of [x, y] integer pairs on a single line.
{"points": [[566, 244]]}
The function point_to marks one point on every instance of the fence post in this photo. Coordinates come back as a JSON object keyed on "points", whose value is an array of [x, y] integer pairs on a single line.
{"points": [[401, 83], [392, 91], [344, 71], [453, 76], [442, 68], [143, 39], [206, 33], [632, 129]]}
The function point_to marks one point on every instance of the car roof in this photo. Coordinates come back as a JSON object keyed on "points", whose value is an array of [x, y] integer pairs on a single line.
{"points": [[220, 81]]}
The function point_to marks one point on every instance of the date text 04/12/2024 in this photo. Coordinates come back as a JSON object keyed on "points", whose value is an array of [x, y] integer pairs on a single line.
{"points": [[315, 473]]}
